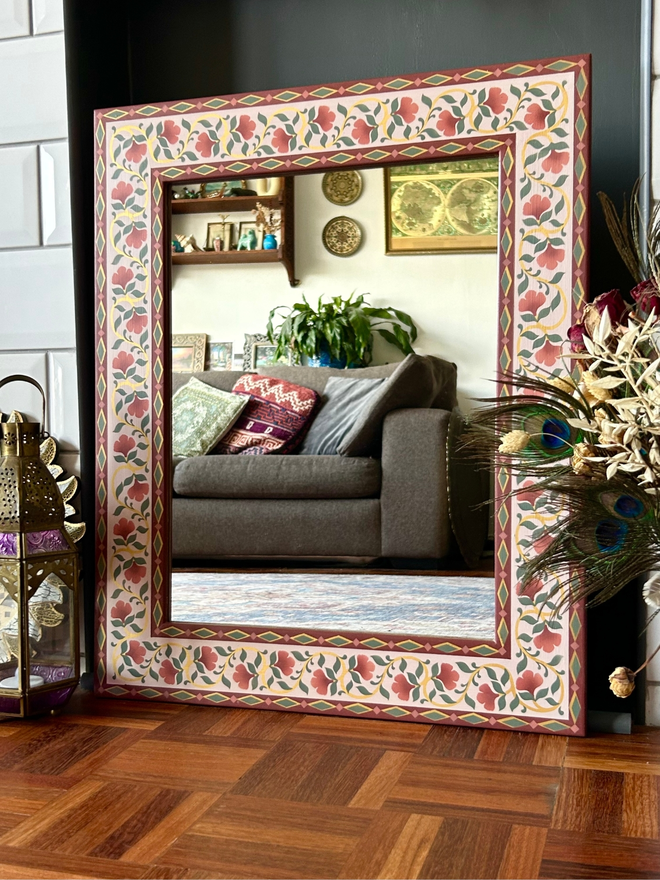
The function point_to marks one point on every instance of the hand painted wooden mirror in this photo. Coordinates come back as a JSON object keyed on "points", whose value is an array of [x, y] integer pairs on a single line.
{"points": [[407, 661]]}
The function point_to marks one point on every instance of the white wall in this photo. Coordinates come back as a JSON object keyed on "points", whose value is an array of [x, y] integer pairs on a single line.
{"points": [[37, 334], [451, 297]]}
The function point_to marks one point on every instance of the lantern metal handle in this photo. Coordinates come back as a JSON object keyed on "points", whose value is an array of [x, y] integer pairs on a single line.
{"points": [[17, 377]]}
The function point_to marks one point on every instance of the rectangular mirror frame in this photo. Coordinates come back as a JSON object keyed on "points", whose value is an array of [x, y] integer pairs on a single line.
{"points": [[536, 115]]}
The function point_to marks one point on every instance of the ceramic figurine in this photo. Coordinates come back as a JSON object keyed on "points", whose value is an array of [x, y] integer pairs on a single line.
{"points": [[248, 240]]}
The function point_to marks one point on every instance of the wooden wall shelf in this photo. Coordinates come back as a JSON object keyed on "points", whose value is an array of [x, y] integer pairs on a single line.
{"points": [[283, 201]]}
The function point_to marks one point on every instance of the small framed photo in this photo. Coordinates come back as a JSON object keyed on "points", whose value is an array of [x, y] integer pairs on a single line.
{"points": [[188, 352], [223, 231], [442, 206], [220, 355], [258, 351]]}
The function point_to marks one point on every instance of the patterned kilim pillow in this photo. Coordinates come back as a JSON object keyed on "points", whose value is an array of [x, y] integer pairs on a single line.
{"points": [[274, 420], [201, 414]]}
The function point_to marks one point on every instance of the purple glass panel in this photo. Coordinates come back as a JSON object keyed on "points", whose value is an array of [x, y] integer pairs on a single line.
{"points": [[45, 542], [8, 544]]}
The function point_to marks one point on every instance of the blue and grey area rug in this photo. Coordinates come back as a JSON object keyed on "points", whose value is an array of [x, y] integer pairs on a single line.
{"points": [[434, 605]]}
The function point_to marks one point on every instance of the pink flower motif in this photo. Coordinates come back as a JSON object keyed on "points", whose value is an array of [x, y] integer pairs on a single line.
{"points": [[171, 131], [168, 672], [138, 490], [121, 611], [530, 497], [533, 587], [487, 697], [138, 407], [448, 676], [281, 140], [402, 687], [205, 145], [137, 323], [136, 237], [136, 652], [285, 662], [407, 110], [543, 542], [124, 444], [536, 206], [362, 132], [496, 100], [529, 681], [551, 257], [320, 682], [547, 640], [242, 676], [325, 118], [364, 667], [532, 301], [135, 572], [123, 361], [548, 354], [208, 658], [121, 192], [536, 116], [447, 123], [246, 127], [555, 161], [136, 151], [124, 528], [122, 277]]}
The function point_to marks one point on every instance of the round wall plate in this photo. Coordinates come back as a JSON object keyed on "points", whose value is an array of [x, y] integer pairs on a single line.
{"points": [[342, 236], [342, 187]]}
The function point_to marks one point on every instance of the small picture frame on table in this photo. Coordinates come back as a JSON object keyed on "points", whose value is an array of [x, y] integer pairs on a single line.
{"points": [[220, 355], [223, 231], [258, 351], [188, 352]]}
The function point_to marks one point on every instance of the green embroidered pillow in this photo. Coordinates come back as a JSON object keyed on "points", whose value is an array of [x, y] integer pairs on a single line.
{"points": [[201, 415]]}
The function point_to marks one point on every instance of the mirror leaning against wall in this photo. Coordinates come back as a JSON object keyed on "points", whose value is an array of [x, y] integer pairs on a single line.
{"points": [[287, 350], [351, 495]]}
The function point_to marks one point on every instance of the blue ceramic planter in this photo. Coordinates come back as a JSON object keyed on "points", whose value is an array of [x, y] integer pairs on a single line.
{"points": [[270, 242]]}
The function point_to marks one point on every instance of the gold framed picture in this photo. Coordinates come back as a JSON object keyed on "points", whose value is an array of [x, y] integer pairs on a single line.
{"points": [[219, 230], [188, 352], [442, 206]]}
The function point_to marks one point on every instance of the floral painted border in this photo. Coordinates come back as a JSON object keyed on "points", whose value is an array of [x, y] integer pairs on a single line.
{"points": [[537, 116]]}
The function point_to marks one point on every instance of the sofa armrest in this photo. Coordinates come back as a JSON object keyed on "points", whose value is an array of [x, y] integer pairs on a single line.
{"points": [[414, 500]]}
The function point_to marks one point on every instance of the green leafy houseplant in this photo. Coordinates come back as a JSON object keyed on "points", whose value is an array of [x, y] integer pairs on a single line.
{"points": [[340, 330]]}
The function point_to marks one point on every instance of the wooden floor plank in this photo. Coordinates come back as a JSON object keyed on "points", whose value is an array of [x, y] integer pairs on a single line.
{"points": [[113, 789]]}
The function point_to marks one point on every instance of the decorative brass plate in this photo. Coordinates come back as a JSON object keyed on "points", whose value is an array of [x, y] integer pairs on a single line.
{"points": [[342, 187], [342, 236]]}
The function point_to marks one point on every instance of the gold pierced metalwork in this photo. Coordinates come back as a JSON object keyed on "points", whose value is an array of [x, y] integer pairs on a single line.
{"points": [[342, 187], [342, 236]]}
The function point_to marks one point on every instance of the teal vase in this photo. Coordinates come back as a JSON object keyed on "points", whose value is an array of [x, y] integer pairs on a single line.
{"points": [[270, 243]]}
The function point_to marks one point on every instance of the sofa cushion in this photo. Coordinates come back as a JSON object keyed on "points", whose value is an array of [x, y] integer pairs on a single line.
{"points": [[201, 415], [277, 476], [222, 379], [274, 419], [417, 382], [316, 377], [342, 402]]}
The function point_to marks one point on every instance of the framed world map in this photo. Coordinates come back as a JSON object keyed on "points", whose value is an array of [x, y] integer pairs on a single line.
{"points": [[442, 206]]}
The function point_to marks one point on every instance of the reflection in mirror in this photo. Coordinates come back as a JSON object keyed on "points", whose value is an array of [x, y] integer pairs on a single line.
{"points": [[344, 523]]}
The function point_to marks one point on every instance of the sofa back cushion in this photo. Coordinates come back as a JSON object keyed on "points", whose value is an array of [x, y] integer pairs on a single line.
{"points": [[317, 377], [274, 419], [222, 379], [343, 402]]}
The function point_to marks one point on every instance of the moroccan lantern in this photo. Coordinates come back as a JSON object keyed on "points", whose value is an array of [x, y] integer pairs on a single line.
{"points": [[39, 665]]}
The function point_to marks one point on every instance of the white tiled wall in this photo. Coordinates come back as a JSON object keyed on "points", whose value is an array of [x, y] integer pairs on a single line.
{"points": [[37, 334]]}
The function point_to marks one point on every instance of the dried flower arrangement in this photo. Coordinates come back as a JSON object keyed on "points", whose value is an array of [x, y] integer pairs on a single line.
{"points": [[590, 440], [268, 219]]}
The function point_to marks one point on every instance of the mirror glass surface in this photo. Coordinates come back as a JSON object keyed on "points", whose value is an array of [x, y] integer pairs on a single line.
{"points": [[452, 297]]}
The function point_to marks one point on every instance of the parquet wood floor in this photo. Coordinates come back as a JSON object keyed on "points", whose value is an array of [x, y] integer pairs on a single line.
{"points": [[114, 789]]}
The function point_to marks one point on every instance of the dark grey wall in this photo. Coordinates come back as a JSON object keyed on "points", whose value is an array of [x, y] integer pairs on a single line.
{"points": [[151, 50]]}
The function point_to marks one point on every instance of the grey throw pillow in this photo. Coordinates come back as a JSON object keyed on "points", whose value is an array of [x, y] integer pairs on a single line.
{"points": [[343, 402], [417, 382]]}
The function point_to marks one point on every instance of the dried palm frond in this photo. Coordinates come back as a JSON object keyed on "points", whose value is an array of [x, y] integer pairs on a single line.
{"points": [[624, 231]]}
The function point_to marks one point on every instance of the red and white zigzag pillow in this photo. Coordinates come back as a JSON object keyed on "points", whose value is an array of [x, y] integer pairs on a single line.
{"points": [[274, 419]]}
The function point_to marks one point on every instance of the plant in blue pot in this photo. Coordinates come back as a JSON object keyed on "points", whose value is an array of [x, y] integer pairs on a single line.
{"points": [[338, 332], [270, 221]]}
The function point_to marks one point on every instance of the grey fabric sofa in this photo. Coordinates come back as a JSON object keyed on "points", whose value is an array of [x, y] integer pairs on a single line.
{"points": [[391, 504]]}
